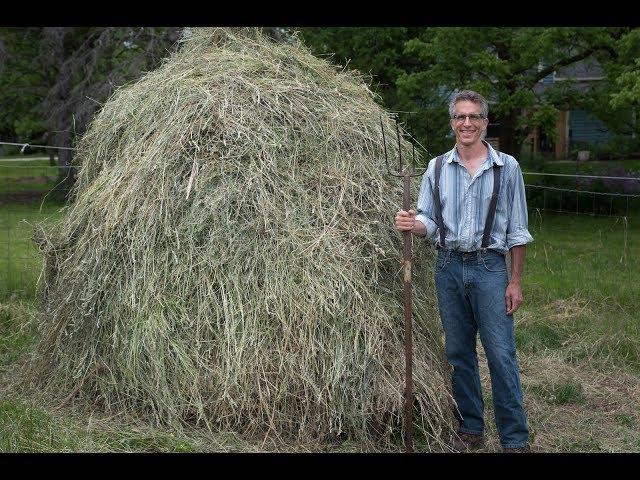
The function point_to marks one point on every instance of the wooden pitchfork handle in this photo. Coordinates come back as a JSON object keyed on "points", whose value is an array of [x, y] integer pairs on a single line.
{"points": [[408, 344], [406, 173]]}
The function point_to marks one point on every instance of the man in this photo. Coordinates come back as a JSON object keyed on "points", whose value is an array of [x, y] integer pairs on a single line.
{"points": [[473, 288]]}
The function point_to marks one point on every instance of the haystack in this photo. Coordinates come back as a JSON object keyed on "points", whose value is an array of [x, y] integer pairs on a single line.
{"points": [[230, 260]]}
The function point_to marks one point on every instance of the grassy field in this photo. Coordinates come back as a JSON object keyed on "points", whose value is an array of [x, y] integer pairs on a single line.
{"points": [[25, 185], [579, 334], [26, 174], [19, 260], [578, 337]]}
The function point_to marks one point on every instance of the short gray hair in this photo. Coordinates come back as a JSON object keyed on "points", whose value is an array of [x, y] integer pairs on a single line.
{"points": [[471, 96]]}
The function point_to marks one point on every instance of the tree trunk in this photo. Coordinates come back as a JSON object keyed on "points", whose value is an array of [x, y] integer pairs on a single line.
{"points": [[66, 174], [510, 139]]}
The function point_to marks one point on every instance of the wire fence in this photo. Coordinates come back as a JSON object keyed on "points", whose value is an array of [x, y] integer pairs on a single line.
{"points": [[581, 202], [28, 196]]}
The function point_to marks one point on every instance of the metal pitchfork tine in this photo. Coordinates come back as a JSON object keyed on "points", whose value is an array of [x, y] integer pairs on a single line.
{"points": [[406, 172]]}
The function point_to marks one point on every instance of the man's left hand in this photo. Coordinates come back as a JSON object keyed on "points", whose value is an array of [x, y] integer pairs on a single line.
{"points": [[513, 296]]}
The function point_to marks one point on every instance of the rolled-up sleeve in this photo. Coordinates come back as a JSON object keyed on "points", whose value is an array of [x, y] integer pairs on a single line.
{"points": [[517, 225], [425, 209]]}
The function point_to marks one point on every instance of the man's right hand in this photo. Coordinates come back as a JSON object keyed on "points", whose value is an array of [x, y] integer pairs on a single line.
{"points": [[405, 221]]}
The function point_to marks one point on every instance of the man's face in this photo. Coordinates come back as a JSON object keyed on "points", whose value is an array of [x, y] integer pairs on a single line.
{"points": [[468, 131]]}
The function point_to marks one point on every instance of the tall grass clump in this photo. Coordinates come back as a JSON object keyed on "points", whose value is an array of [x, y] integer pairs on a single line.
{"points": [[230, 260]]}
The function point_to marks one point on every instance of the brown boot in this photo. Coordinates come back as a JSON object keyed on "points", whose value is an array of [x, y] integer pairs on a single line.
{"points": [[525, 449], [468, 442]]}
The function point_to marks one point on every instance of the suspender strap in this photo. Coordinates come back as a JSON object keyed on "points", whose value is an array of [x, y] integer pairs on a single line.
{"points": [[436, 199], [486, 237]]}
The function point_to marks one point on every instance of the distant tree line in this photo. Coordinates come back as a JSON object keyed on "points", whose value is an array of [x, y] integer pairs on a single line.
{"points": [[54, 79], [416, 69]]}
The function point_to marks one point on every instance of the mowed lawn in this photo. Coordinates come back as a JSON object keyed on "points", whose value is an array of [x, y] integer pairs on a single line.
{"points": [[578, 337]]}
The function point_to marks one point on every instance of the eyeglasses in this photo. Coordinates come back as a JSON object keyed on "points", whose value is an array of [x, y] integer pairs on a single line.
{"points": [[473, 118]]}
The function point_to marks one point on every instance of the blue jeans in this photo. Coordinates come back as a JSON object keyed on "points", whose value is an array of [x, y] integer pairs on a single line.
{"points": [[471, 289]]}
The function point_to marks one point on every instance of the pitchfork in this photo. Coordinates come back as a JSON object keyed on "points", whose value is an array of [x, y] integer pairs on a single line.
{"points": [[406, 172]]}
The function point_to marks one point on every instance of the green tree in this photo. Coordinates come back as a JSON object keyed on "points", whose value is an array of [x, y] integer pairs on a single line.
{"points": [[379, 55], [624, 91], [56, 78], [422, 67], [21, 86], [507, 63]]}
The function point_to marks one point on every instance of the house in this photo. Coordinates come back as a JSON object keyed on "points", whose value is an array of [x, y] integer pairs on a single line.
{"points": [[574, 126]]}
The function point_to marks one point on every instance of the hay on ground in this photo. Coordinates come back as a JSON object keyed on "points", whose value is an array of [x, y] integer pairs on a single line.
{"points": [[230, 260]]}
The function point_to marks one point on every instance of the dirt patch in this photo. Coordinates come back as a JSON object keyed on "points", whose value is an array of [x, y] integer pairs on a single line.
{"points": [[605, 420]]}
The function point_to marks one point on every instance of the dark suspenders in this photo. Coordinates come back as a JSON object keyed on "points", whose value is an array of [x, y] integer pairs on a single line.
{"points": [[488, 225], [436, 200]]}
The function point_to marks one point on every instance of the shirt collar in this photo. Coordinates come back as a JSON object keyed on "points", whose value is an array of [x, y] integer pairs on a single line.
{"points": [[452, 155]]}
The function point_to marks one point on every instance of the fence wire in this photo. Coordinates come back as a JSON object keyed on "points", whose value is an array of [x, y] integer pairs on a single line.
{"points": [[27, 197]]}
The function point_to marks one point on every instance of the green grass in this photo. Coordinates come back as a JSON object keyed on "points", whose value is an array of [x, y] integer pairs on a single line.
{"points": [[581, 287], [20, 262], [538, 336], [20, 176], [625, 420], [567, 392], [25, 183], [15, 338], [28, 428], [40, 154], [588, 444], [13, 165]]}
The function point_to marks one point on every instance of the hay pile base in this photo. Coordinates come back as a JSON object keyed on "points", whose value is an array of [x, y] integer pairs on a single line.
{"points": [[230, 261]]}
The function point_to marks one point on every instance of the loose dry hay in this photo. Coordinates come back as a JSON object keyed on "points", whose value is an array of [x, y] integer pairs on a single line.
{"points": [[230, 259]]}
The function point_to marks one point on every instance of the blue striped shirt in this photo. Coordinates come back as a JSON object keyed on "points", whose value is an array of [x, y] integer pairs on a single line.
{"points": [[465, 203]]}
